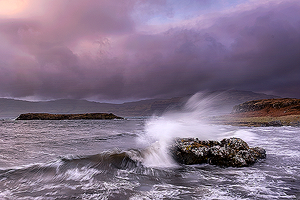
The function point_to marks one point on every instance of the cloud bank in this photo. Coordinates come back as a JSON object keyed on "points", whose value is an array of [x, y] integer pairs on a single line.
{"points": [[135, 49]]}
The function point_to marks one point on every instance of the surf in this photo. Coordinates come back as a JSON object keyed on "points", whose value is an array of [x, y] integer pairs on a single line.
{"points": [[192, 121]]}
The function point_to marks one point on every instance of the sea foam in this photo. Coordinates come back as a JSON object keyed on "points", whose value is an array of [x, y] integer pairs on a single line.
{"points": [[191, 121]]}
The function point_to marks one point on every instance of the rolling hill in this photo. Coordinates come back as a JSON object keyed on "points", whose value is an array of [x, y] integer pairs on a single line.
{"points": [[11, 108]]}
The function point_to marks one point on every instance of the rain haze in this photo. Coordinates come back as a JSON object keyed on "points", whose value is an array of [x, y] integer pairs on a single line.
{"points": [[112, 50]]}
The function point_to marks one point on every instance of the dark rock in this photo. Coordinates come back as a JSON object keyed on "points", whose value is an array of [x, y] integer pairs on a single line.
{"points": [[274, 123], [295, 123], [232, 152], [46, 116]]}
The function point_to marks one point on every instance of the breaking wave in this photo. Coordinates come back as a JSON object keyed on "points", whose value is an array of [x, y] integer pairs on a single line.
{"points": [[105, 174], [191, 121]]}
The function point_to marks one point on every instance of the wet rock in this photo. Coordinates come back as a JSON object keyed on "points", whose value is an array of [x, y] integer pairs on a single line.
{"points": [[295, 123], [275, 123], [232, 152]]}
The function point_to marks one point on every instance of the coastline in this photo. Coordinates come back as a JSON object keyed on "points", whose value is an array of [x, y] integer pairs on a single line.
{"points": [[264, 112], [287, 120]]}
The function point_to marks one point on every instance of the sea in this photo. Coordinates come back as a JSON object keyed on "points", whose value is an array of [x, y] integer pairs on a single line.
{"points": [[129, 159]]}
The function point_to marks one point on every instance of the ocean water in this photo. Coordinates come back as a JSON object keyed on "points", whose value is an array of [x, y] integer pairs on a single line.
{"points": [[128, 159]]}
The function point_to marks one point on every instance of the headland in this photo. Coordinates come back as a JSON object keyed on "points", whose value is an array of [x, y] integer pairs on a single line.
{"points": [[265, 112]]}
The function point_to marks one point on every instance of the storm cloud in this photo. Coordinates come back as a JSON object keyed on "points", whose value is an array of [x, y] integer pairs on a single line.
{"points": [[137, 49]]}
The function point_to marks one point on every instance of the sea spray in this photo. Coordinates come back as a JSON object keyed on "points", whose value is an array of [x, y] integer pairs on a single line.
{"points": [[276, 177], [243, 133], [191, 121]]}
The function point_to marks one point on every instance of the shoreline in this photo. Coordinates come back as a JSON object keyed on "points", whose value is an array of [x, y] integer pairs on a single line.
{"points": [[262, 121]]}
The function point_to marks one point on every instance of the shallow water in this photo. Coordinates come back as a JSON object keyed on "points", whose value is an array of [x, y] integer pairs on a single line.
{"points": [[127, 159]]}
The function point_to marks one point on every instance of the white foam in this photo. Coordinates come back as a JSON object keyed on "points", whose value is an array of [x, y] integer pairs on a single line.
{"points": [[82, 174], [157, 156], [191, 121], [244, 134]]}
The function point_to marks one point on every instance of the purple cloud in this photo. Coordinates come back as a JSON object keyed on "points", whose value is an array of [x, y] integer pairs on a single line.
{"points": [[98, 49]]}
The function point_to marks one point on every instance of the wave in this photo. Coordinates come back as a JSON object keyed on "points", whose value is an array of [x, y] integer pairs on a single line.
{"points": [[104, 161], [190, 121], [68, 167], [107, 160], [73, 176]]}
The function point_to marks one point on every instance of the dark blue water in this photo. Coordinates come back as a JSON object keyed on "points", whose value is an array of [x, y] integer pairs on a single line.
{"points": [[120, 159]]}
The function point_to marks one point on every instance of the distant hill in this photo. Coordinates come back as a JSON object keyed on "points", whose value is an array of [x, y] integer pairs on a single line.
{"points": [[224, 101], [268, 107], [10, 108], [263, 112]]}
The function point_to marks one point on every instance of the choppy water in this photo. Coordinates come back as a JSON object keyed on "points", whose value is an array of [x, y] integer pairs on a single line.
{"points": [[119, 159]]}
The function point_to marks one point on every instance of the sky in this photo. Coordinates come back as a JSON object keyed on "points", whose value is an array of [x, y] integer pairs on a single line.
{"points": [[115, 50]]}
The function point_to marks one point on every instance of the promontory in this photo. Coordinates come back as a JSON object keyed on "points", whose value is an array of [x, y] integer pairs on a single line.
{"points": [[264, 112], [47, 116]]}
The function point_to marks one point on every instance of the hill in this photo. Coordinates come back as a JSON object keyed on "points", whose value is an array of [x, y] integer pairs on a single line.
{"points": [[11, 108], [268, 107], [264, 112]]}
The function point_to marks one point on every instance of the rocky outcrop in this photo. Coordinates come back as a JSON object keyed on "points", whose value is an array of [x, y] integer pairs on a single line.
{"points": [[233, 152], [46, 116]]}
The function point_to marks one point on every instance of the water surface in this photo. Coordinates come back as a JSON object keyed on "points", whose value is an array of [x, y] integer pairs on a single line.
{"points": [[126, 159]]}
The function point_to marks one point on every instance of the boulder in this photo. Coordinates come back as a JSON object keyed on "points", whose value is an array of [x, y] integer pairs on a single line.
{"points": [[232, 152]]}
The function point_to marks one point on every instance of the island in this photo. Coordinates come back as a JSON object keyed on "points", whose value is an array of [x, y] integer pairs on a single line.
{"points": [[85, 116]]}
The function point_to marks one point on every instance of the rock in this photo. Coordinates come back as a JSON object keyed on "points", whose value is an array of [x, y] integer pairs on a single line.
{"points": [[275, 123], [232, 152], [295, 123], [46, 116]]}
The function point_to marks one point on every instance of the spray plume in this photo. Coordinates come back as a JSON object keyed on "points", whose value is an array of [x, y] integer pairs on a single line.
{"points": [[191, 121]]}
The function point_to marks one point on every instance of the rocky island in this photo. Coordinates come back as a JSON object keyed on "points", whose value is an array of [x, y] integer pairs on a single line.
{"points": [[47, 116], [231, 152]]}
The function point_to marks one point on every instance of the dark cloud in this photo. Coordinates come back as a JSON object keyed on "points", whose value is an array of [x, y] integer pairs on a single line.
{"points": [[93, 49]]}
